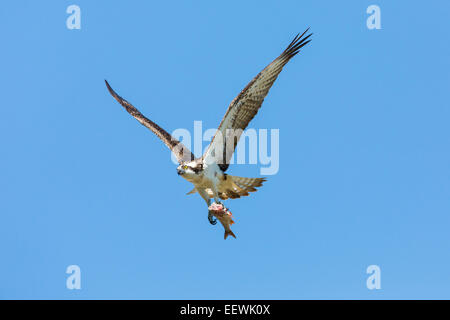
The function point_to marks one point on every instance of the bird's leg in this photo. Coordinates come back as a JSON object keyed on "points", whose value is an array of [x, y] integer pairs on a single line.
{"points": [[205, 197], [216, 195]]}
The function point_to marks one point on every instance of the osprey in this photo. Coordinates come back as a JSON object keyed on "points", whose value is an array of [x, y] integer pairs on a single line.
{"points": [[207, 173]]}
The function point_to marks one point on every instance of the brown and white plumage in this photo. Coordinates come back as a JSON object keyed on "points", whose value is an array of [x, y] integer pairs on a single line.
{"points": [[207, 173], [233, 187], [245, 106], [181, 152]]}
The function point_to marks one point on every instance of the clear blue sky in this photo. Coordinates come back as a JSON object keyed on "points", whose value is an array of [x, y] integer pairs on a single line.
{"points": [[364, 150]]}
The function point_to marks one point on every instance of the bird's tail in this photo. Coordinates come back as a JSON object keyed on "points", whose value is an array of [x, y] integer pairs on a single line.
{"points": [[247, 184], [235, 187]]}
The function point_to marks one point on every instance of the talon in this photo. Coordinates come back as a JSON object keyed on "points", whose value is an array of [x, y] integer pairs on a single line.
{"points": [[211, 219]]}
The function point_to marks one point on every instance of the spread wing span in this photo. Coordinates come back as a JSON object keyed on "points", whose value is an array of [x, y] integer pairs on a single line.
{"points": [[180, 151], [245, 106]]}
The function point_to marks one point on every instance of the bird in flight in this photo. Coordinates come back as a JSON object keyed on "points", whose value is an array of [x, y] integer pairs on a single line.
{"points": [[207, 173]]}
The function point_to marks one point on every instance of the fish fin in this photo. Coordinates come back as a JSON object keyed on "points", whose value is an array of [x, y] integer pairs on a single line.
{"points": [[228, 233]]}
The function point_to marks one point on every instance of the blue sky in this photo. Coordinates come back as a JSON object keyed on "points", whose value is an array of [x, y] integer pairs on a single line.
{"points": [[364, 150]]}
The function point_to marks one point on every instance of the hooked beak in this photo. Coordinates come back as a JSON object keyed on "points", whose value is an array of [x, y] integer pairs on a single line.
{"points": [[180, 171]]}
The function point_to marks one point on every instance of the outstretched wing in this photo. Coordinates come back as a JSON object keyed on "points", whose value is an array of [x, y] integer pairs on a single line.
{"points": [[180, 151], [245, 106]]}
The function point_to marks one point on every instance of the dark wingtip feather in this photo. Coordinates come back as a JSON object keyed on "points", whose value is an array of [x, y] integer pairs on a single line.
{"points": [[114, 94], [296, 44], [109, 88]]}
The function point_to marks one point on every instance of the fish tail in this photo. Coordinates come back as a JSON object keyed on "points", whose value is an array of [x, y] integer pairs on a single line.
{"points": [[229, 233]]}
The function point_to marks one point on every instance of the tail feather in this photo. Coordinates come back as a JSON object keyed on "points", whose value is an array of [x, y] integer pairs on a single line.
{"points": [[248, 182], [235, 187]]}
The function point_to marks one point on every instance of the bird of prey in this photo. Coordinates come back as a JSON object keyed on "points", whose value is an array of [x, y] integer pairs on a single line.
{"points": [[207, 173]]}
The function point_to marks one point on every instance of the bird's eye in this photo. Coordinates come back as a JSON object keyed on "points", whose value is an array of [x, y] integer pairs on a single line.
{"points": [[185, 167]]}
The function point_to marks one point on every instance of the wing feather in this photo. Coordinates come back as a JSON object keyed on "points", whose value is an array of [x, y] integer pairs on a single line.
{"points": [[245, 106], [180, 151]]}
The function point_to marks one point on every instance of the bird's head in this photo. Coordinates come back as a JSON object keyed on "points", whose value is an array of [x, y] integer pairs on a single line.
{"points": [[190, 170]]}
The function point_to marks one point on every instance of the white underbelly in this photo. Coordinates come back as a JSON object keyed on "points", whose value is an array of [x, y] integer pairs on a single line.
{"points": [[212, 175]]}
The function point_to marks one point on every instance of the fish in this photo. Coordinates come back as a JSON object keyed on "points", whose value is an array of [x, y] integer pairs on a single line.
{"points": [[225, 217]]}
